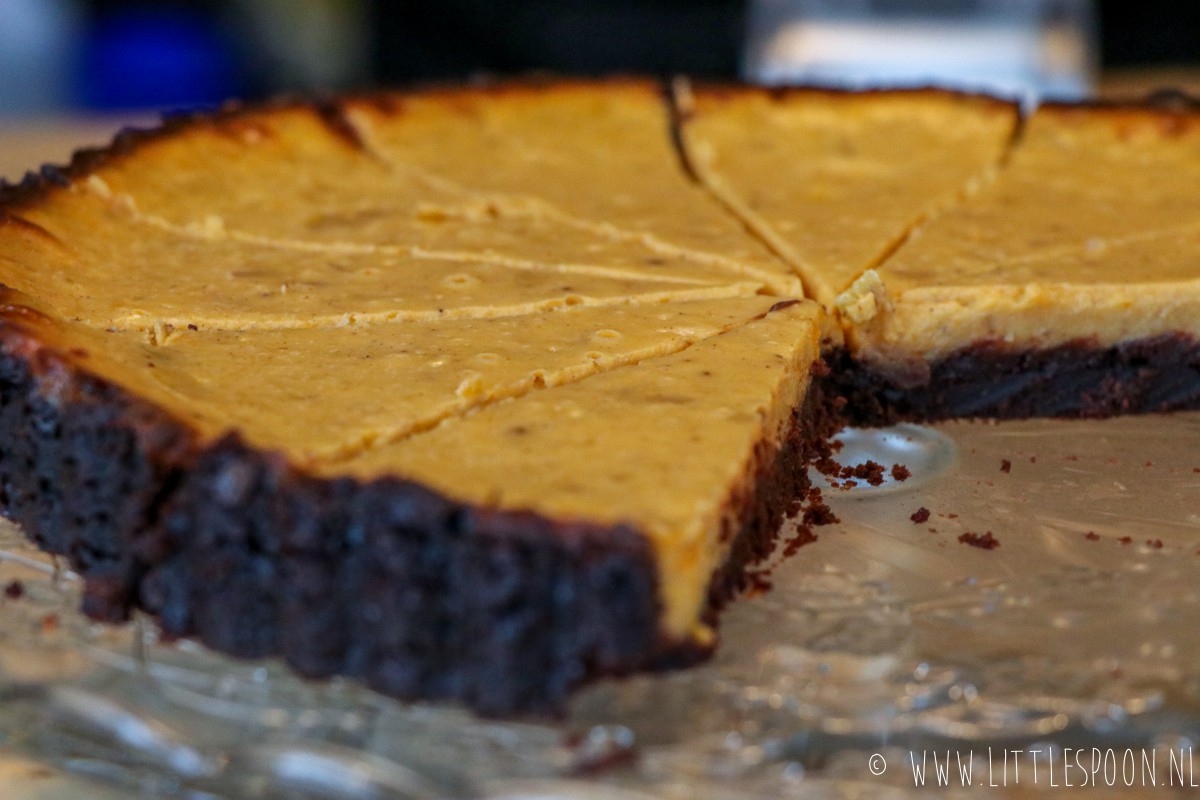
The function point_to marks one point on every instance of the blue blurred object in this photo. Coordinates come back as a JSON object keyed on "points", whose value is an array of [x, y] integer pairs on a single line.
{"points": [[37, 49], [164, 56]]}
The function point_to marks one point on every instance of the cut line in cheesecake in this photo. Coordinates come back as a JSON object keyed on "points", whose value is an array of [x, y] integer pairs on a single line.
{"points": [[834, 182], [159, 280]]}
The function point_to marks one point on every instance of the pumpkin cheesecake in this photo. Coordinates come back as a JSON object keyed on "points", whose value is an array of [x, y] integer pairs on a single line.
{"points": [[480, 393]]}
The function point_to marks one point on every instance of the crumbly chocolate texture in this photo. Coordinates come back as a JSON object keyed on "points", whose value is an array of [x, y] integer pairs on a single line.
{"points": [[386, 581], [990, 379], [780, 486]]}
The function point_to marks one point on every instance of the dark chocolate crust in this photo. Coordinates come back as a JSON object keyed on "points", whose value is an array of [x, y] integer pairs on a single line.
{"points": [[386, 581], [993, 380]]}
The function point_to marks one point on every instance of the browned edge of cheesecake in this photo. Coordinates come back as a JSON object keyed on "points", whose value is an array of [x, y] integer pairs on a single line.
{"points": [[782, 92], [329, 110]]}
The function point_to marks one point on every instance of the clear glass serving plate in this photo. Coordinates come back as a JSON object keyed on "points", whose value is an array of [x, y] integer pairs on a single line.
{"points": [[883, 642]]}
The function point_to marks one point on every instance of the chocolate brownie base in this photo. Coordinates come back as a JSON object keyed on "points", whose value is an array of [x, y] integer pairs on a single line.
{"points": [[81, 466], [990, 379], [386, 581], [778, 492]]}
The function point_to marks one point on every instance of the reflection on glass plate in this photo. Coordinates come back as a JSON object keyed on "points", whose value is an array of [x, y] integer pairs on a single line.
{"points": [[885, 640]]}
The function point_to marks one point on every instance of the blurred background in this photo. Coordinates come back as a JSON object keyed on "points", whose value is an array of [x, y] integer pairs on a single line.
{"points": [[99, 56]]}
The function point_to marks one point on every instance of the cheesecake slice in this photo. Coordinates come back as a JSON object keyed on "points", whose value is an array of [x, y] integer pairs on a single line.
{"points": [[612, 449], [604, 162], [833, 182], [1067, 285], [323, 394], [504, 556], [100, 265]]}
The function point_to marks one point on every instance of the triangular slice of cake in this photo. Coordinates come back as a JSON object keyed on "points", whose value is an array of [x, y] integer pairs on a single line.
{"points": [[674, 448], [505, 556], [326, 393], [834, 181], [97, 263], [1066, 285], [601, 161]]}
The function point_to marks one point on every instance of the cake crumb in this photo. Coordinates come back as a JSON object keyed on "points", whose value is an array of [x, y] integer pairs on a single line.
{"points": [[804, 536], [815, 513], [920, 515], [900, 472], [758, 582], [1033, 459], [1092, 536], [1126, 540], [827, 466], [14, 590], [985, 542], [49, 623], [1005, 465], [1155, 543], [818, 514], [870, 471]]}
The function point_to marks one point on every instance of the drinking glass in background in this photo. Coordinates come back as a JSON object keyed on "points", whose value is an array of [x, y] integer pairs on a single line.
{"points": [[1028, 49]]}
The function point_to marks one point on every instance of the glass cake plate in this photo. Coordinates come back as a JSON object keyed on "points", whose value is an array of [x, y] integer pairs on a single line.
{"points": [[883, 643]]}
